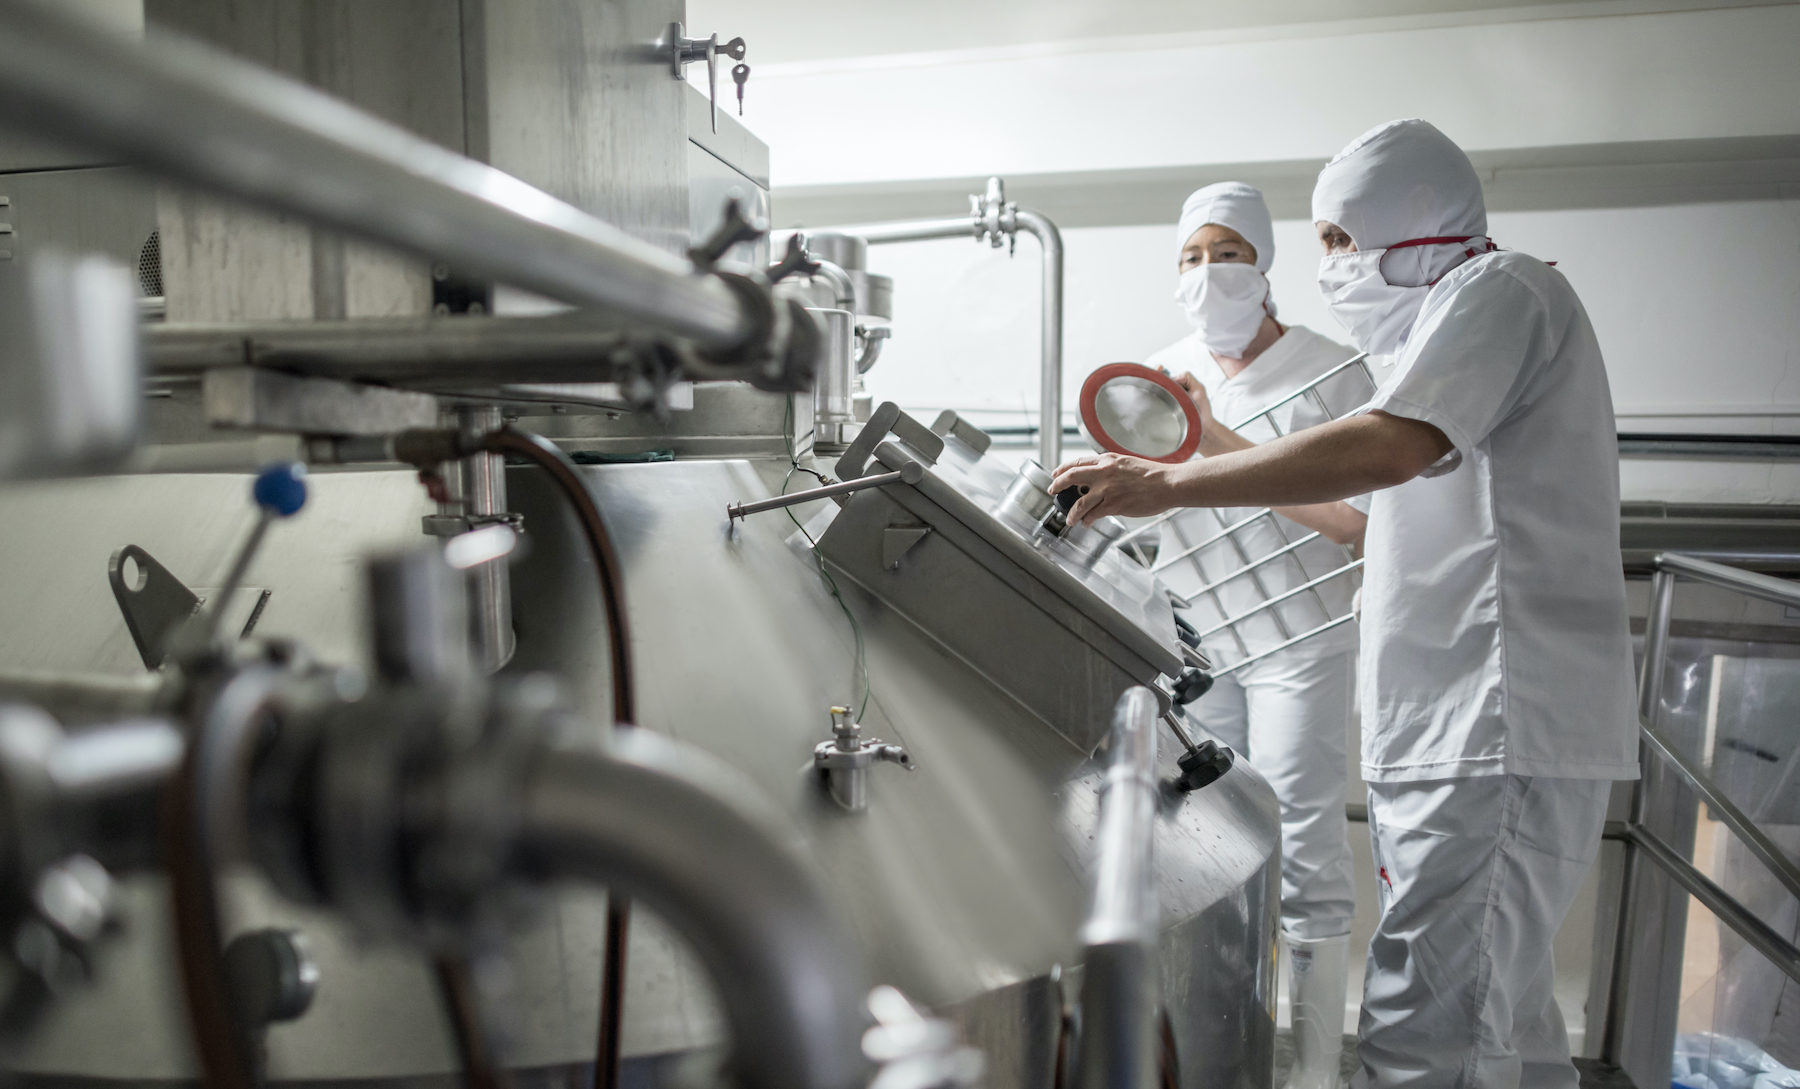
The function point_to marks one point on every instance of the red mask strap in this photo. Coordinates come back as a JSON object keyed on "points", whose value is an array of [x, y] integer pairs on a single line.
{"points": [[1486, 246]]}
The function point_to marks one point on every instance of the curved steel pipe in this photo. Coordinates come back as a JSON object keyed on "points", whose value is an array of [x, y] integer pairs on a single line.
{"points": [[1011, 221], [642, 818], [1050, 370], [196, 114], [1117, 1047]]}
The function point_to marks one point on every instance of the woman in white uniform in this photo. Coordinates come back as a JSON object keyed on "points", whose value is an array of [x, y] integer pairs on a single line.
{"points": [[1288, 713], [1496, 685]]}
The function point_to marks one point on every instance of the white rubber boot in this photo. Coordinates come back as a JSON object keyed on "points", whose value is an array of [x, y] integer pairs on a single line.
{"points": [[1317, 971]]}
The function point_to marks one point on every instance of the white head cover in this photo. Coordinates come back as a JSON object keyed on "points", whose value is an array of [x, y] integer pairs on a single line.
{"points": [[1234, 205], [1401, 181]]}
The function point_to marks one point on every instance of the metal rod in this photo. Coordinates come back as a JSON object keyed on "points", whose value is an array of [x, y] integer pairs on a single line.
{"points": [[1766, 587], [483, 498], [912, 473], [919, 230], [1279, 647], [1117, 1047], [1261, 561], [1155, 523], [1164, 562], [1727, 812], [194, 113], [1333, 372], [444, 351], [1780, 952], [1631, 876], [1279, 598]]}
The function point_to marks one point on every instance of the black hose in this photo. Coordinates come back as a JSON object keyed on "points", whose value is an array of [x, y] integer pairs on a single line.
{"points": [[566, 475]]}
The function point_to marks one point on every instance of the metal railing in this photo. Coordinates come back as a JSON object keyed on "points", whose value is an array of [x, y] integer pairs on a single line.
{"points": [[1227, 534], [1641, 842]]}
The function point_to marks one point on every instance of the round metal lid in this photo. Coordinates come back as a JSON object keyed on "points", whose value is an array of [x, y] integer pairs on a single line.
{"points": [[1130, 409]]}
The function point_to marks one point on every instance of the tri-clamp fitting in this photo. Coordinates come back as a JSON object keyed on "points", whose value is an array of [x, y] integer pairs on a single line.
{"points": [[844, 760], [996, 218]]}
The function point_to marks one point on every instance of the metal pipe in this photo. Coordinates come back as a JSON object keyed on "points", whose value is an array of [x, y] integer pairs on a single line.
{"points": [[1117, 1048], [912, 473], [194, 113], [1766, 587], [998, 218], [444, 351], [1780, 952], [920, 230], [653, 821], [1632, 875], [843, 289], [1050, 370], [1727, 812]]}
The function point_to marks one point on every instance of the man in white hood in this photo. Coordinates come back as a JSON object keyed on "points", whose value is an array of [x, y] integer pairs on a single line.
{"points": [[1288, 713], [1496, 684]]}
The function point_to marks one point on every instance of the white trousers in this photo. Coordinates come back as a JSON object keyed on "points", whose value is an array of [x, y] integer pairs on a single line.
{"points": [[1474, 878], [1289, 716]]}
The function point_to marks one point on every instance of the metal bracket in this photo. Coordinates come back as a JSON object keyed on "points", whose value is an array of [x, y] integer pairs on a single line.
{"points": [[897, 541], [155, 603], [950, 425], [886, 420]]}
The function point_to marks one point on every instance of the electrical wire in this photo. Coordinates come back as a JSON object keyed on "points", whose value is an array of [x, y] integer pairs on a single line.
{"points": [[861, 659]]}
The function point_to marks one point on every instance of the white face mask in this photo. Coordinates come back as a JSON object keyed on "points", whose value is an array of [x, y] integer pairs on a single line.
{"points": [[1225, 302], [1375, 313]]}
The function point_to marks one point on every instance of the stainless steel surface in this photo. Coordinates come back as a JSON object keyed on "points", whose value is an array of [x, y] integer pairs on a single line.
{"points": [[1725, 811], [256, 399], [660, 827], [195, 114], [910, 474], [1117, 1043], [1029, 494], [983, 587]]}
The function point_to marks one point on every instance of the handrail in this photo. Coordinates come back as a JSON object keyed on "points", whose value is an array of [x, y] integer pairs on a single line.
{"points": [[1766, 587], [194, 113], [1117, 1046]]}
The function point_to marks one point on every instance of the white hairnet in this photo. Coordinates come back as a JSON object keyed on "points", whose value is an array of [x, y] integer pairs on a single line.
{"points": [[1234, 205], [1400, 181]]}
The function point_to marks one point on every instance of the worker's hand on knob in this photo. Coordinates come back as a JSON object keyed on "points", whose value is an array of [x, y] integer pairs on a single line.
{"points": [[1114, 485]]}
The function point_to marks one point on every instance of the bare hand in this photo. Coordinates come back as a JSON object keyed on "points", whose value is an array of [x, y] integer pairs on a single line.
{"points": [[1197, 393], [1114, 485]]}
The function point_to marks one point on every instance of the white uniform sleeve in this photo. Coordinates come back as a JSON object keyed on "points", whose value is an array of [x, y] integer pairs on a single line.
{"points": [[1469, 361], [1358, 503]]}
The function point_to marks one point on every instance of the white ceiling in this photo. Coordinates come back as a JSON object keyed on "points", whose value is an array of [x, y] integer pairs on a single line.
{"points": [[781, 31]]}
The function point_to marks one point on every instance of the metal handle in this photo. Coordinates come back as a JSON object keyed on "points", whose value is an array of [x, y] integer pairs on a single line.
{"points": [[910, 473]]}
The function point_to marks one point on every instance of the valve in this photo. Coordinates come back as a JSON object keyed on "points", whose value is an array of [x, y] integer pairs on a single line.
{"points": [[1202, 765], [1191, 685], [733, 229], [844, 760]]}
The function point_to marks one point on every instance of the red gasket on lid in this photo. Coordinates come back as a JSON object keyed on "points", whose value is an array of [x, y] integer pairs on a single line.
{"points": [[1090, 420]]}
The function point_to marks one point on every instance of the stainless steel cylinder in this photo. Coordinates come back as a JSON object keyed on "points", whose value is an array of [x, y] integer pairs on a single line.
{"points": [[1028, 496], [834, 391], [483, 499]]}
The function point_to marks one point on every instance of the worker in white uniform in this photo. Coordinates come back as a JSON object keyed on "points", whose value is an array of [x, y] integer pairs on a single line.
{"points": [[1288, 713], [1496, 686]]}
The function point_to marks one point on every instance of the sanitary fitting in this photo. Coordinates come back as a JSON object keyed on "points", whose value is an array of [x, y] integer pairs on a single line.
{"points": [[996, 218], [844, 760]]}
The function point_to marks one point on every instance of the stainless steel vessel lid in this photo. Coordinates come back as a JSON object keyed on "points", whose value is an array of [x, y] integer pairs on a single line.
{"points": [[1130, 409]]}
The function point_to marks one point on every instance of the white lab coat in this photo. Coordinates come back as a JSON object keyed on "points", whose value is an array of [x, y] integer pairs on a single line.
{"points": [[1493, 610], [1289, 714]]}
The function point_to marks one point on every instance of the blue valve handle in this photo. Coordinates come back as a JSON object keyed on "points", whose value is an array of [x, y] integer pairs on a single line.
{"points": [[280, 489]]}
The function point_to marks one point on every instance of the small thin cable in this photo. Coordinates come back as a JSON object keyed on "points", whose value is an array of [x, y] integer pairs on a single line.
{"points": [[861, 659]]}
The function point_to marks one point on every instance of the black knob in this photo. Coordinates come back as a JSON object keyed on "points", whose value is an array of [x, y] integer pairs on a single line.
{"points": [[1202, 766], [1186, 632], [272, 975], [1191, 685], [1067, 497]]}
